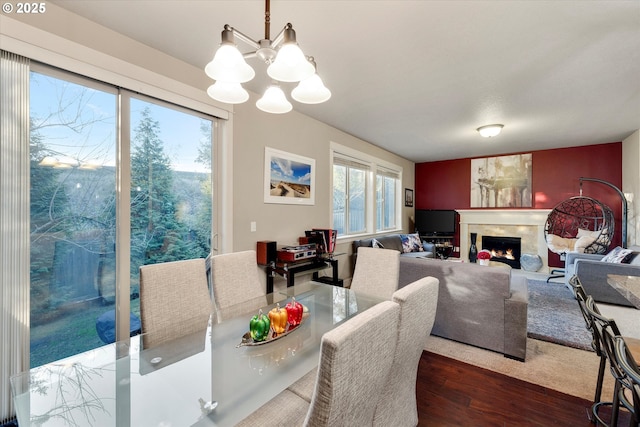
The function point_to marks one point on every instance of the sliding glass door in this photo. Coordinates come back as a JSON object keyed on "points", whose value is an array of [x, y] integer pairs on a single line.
{"points": [[73, 139], [78, 153], [171, 187]]}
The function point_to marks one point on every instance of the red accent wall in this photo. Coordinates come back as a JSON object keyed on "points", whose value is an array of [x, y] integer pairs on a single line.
{"points": [[555, 177]]}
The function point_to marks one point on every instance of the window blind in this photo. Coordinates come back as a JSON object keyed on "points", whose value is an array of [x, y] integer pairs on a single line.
{"points": [[344, 160], [14, 221]]}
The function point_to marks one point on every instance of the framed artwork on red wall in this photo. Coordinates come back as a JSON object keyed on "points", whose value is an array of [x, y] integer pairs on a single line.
{"points": [[501, 182], [408, 197]]}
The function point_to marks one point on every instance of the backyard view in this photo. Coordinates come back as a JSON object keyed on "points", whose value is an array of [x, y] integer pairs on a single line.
{"points": [[73, 150]]}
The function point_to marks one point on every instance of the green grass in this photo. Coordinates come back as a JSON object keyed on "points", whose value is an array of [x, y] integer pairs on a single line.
{"points": [[72, 331]]}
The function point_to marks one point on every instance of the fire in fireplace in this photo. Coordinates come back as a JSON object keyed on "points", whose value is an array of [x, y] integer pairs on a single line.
{"points": [[503, 249]]}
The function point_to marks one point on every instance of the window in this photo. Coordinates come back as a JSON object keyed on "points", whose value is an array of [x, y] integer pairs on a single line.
{"points": [[387, 184], [365, 193], [349, 196], [74, 170]]}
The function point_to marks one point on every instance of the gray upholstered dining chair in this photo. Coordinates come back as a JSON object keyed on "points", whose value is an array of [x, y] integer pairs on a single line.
{"points": [[355, 363], [418, 302], [174, 300], [376, 272], [353, 369], [235, 278]]}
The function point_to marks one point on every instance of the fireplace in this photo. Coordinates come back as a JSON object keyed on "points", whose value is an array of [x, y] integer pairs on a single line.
{"points": [[528, 224], [503, 249]]}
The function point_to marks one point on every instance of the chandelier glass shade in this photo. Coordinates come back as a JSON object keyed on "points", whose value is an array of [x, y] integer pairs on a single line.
{"points": [[274, 101], [286, 63], [231, 93]]}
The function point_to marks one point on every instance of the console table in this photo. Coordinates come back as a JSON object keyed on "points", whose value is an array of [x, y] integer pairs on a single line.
{"points": [[288, 270]]}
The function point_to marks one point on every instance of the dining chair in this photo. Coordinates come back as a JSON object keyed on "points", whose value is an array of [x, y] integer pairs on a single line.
{"points": [[376, 272], [581, 297], [354, 363], [235, 278], [606, 331], [174, 300], [418, 302], [304, 386], [630, 394]]}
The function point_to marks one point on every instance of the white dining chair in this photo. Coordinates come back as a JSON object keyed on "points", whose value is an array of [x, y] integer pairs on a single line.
{"points": [[235, 278], [174, 300], [376, 272], [418, 302]]}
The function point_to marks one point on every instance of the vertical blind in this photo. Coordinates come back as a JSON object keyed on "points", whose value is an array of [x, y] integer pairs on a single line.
{"points": [[14, 223]]}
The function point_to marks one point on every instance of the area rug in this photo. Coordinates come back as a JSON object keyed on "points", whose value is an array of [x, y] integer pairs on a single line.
{"points": [[553, 315]]}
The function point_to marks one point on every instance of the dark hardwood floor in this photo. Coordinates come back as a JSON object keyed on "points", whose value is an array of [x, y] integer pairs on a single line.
{"points": [[453, 393]]}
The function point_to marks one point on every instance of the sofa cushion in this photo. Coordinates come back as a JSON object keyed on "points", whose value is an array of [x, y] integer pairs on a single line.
{"points": [[618, 255], [421, 254], [559, 244], [411, 243]]}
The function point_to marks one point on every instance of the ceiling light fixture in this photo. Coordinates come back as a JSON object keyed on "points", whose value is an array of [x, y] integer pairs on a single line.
{"points": [[490, 130], [286, 63]]}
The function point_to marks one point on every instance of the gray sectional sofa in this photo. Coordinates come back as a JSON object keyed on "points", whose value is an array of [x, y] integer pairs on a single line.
{"points": [[482, 306], [593, 272]]}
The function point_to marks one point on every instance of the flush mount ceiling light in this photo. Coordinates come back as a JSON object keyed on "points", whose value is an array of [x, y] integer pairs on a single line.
{"points": [[286, 63], [490, 130]]}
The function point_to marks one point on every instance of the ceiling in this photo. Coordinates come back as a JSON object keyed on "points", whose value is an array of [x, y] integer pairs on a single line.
{"points": [[418, 77]]}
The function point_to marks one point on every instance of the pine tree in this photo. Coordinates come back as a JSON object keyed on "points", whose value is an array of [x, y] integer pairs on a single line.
{"points": [[156, 234]]}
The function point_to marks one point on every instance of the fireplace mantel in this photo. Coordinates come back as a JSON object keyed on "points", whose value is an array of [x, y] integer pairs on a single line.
{"points": [[528, 224]]}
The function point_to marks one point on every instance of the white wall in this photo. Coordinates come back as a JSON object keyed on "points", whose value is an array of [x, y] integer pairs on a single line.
{"points": [[631, 184], [300, 135]]}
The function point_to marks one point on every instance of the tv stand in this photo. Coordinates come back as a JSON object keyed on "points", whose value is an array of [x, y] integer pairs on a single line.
{"points": [[438, 238], [441, 241]]}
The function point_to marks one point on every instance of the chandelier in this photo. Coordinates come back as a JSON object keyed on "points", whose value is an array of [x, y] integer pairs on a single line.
{"points": [[286, 63]]}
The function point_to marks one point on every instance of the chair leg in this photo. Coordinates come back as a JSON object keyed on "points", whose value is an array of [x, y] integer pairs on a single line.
{"points": [[556, 276], [615, 409], [615, 405], [598, 394]]}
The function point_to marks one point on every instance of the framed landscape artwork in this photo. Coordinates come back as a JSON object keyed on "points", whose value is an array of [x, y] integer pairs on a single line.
{"points": [[288, 178], [501, 182]]}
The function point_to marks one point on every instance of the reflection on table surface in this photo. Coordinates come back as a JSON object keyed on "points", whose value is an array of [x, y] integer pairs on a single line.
{"points": [[174, 383], [627, 286]]}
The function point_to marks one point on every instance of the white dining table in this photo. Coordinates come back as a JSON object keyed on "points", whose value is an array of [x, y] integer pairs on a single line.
{"points": [[204, 379]]}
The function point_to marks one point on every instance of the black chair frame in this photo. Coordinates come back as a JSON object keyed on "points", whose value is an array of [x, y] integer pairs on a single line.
{"points": [[630, 381], [606, 331]]}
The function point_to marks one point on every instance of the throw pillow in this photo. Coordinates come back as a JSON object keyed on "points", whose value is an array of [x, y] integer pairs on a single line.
{"points": [[633, 258], [376, 244], [601, 235], [582, 232], [617, 255], [411, 243], [582, 243]]}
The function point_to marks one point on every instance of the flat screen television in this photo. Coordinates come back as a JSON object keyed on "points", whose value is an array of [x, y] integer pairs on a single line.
{"points": [[435, 222]]}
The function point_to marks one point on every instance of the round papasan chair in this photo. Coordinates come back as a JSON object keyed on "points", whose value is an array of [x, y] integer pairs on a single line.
{"points": [[579, 224]]}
